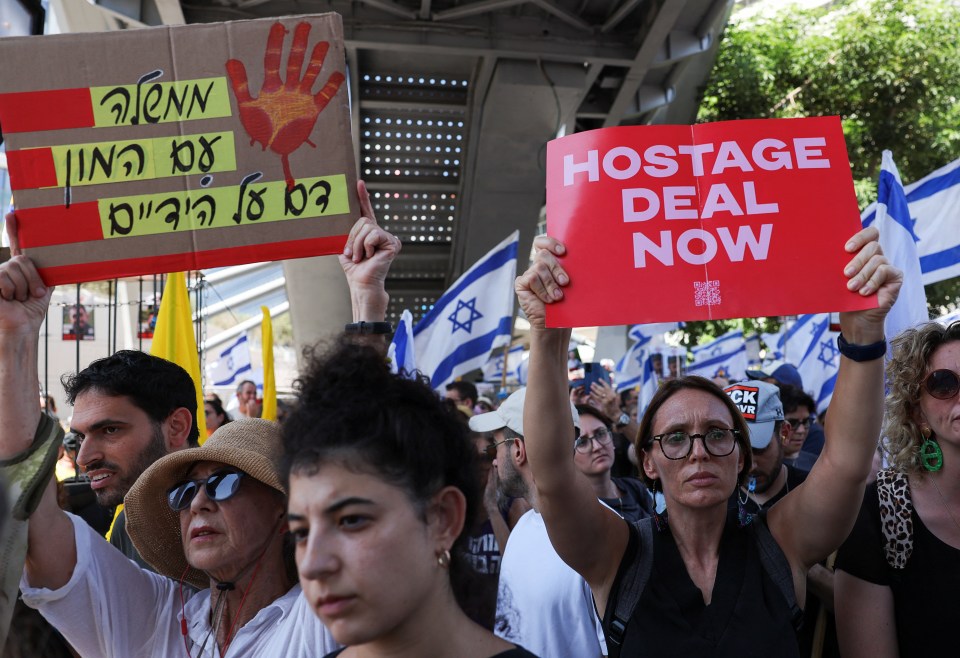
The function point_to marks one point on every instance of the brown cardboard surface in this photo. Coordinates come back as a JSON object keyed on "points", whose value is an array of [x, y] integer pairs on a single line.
{"points": [[124, 159]]}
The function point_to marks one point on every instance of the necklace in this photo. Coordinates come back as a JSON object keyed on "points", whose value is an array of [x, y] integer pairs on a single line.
{"points": [[943, 501]]}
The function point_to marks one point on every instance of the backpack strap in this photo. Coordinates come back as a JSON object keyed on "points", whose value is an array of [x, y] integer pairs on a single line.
{"points": [[896, 516], [631, 588], [775, 563]]}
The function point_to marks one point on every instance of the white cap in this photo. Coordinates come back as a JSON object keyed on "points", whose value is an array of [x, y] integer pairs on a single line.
{"points": [[510, 414]]}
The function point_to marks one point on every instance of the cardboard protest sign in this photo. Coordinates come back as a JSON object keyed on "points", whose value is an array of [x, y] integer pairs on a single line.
{"points": [[177, 148], [723, 220]]}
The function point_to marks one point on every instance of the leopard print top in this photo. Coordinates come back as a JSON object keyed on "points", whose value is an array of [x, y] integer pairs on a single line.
{"points": [[896, 516]]}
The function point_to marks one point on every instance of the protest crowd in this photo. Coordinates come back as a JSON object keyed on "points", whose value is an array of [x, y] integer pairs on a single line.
{"points": [[803, 505], [383, 518]]}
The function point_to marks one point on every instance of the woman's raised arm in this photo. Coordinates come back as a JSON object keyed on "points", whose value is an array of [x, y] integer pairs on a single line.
{"points": [[815, 518], [588, 536]]}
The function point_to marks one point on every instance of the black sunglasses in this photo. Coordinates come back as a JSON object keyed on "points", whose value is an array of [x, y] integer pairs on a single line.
{"points": [[942, 384], [219, 487]]}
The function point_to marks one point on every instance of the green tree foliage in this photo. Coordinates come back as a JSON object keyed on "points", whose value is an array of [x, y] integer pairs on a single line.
{"points": [[889, 68]]}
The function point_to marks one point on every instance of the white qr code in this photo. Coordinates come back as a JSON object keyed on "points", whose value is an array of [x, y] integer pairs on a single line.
{"points": [[706, 293]]}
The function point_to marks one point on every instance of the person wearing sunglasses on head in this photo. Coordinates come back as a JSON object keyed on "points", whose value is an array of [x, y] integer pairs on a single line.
{"points": [[898, 573], [699, 581], [593, 453]]}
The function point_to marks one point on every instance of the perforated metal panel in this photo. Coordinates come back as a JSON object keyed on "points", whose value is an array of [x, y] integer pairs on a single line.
{"points": [[413, 134]]}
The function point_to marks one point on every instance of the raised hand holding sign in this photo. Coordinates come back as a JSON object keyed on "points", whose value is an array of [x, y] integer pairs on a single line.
{"points": [[282, 117]]}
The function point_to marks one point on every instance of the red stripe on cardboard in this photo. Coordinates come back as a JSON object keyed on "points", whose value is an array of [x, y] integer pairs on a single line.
{"points": [[56, 109], [50, 225], [31, 169], [191, 261]]}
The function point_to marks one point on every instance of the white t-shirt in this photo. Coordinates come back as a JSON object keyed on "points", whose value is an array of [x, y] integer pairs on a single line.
{"points": [[112, 607], [542, 604]]}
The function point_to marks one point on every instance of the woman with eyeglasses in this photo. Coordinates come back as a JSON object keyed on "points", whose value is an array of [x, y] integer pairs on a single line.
{"points": [[798, 410], [700, 581], [593, 454], [898, 574]]}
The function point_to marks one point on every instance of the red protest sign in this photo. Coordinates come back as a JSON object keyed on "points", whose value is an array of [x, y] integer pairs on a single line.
{"points": [[174, 148], [712, 221]]}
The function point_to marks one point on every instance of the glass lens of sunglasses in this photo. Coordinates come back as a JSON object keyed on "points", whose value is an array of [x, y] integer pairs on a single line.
{"points": [[180, 496], [221, 486], [943, 384]]}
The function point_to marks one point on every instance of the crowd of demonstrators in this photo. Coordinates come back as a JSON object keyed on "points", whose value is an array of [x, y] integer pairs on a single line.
{"points": [[898, 573], [542, 604], [709, 584], [413, 519]]}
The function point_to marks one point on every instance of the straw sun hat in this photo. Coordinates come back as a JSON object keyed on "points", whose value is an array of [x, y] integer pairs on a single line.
{"points": [[251, 445]]}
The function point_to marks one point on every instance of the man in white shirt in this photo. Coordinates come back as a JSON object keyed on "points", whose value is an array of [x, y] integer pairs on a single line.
{"points": [[542, 604]]}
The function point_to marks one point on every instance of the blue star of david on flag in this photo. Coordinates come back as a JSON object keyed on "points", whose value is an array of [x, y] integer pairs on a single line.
{"points": [[828, 354], [472, 316], [454, 337]]}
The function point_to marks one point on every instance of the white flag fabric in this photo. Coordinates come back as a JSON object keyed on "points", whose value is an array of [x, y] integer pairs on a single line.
{"points": [[812, 347], [233, 365], [400, 353], [471, 319], [493, 369], [934, 203], [630, 369], [899, 242], [724, 357], [774, 344]]}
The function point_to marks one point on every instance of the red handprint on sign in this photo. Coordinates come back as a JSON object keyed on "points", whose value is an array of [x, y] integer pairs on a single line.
{"points": [[284, 114]]}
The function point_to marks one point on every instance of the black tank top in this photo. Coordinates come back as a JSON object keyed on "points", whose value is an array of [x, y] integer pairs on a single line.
{"points": [[747, 616]]}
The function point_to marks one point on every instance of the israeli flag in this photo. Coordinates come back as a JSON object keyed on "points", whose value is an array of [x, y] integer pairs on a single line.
{"points": [[899, 242], [400, 352], [934, 204], [724, 357], [233, 364], [774, 343], [471, 319], [630, 370], [812, 347], [493, 369]]}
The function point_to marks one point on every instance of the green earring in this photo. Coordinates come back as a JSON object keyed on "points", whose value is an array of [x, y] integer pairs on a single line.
{"points": [[931, 456]]}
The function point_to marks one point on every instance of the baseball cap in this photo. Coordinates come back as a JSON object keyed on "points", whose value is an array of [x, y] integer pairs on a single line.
{"points": [[782, 371], [510, 414], [759, 402]]}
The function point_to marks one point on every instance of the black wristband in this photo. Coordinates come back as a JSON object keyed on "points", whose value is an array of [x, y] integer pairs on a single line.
{"points": [[861, 353], [365, 328]]}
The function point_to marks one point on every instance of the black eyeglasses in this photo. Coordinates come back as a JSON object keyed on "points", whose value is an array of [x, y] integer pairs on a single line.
{"points": [[584, 444], [219, 487], [942, 384], [717, 441], [797, 423], [491, 450]]}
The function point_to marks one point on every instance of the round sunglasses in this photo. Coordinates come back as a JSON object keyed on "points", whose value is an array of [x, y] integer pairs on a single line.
{"points": [[218, 486], [942, 384]]}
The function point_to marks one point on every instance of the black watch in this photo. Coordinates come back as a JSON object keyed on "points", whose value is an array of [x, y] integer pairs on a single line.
{"points": [[861, 353], [365, 328]]}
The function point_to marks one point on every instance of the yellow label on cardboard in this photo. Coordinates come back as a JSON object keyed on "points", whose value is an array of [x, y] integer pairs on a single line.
{"points": [[250, 202], [143, 159], [153, 101]]}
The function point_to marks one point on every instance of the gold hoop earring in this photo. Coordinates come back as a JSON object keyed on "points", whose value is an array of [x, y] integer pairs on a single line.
{"points": [[443, 558]]}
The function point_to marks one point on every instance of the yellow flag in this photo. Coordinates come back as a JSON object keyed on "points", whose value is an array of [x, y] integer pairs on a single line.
{"points": [[269, 380], [174, 340]]}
